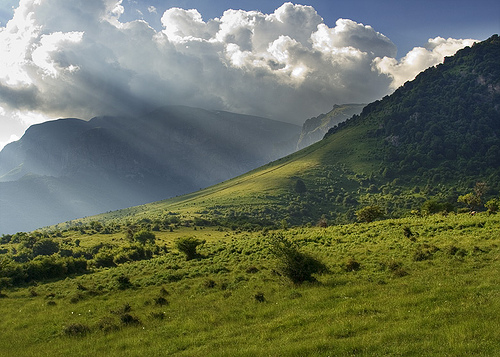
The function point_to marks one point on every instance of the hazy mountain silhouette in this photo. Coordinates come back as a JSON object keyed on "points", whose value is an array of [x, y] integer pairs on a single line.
{"points": [[69, 168]]}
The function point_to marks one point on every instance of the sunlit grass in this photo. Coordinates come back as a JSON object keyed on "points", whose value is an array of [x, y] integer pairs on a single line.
{"points": [[445, 303]]}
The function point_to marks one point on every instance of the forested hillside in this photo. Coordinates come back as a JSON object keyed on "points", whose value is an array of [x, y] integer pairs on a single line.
{"points": [[445, 123]]}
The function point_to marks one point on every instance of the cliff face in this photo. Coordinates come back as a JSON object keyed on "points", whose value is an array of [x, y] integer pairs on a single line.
{"points": [[314, 129]]}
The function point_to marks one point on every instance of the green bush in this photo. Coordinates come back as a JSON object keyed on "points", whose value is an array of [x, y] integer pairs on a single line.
{"points": [[144, 236], [188, 245], [45, 247], [297, 266], [369, 213], [123, 282], [104, 259], [132, 253], [76, 330]]}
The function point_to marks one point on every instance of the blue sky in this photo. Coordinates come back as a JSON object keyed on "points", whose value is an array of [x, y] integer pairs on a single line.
{"points": [[289, 62], [406, 23]]}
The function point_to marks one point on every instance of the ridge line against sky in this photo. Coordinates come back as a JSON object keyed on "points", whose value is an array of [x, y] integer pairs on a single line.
{"points": [[285, 61]]}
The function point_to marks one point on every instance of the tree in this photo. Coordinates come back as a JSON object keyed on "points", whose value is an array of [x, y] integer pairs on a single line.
{"points": [[300, 186], [144, 236], [295, 265], [45, 247], [471, 200], [492, 205], [188, 245], [369, 213]]}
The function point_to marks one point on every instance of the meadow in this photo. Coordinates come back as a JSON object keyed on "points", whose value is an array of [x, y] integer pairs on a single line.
{"points": [[397, 287]]}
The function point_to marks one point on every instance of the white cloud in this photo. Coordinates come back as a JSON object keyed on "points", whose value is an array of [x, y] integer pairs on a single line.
{"points": [[152, 10], [13, 137], [60, 58], [419, 59]]}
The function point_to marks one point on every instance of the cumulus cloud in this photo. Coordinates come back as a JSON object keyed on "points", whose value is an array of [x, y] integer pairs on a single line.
{"points": [[77, 58], [419, 59]]}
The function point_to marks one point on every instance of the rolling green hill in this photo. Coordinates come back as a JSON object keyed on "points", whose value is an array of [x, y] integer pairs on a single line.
{"points": [[431, 140]]}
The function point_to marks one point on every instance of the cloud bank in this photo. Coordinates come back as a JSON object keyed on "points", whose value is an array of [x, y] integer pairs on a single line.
{"points": [[62, 58]]}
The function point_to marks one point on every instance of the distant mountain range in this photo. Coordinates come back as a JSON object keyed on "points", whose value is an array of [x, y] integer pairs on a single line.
{"points": [[70, 168]]}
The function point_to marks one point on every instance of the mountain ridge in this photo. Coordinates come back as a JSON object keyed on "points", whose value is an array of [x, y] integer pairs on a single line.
{"points": [[108, 163]]}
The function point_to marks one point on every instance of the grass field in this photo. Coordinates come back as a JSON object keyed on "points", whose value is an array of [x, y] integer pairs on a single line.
{"points": [[413, 286]]}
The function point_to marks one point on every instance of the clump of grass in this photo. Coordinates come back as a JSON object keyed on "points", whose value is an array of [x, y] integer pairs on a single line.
{"points": [[252, 270], [76, 298], [107, 324], [161, 301], [76, 330], [352, 265], [210, 284], [125, 308], [424, 252], [123, 282], [259, 297], [158, 315], [396, 268], [128, 319], [455, 251]]}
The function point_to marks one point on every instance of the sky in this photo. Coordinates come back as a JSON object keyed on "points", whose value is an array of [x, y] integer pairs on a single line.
{"points": [[280, 60]]}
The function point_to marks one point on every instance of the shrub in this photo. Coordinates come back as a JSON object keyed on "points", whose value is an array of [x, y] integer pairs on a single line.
{"points": [[144, 236], [259, 297], [492, 205], [76, 330], [104, 259], [161, 301], [133, 252], [369, 213], [45, 247], [295, 265], [128, 319], [188, 246], [352, 265], [123, 282]]}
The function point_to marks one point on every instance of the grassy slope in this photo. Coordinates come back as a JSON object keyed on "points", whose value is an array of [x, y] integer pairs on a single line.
{"points": [[434, 294]]}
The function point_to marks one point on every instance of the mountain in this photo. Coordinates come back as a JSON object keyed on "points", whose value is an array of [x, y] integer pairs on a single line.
{"points": [[314, 129], [70, 168], [430, 141]]}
